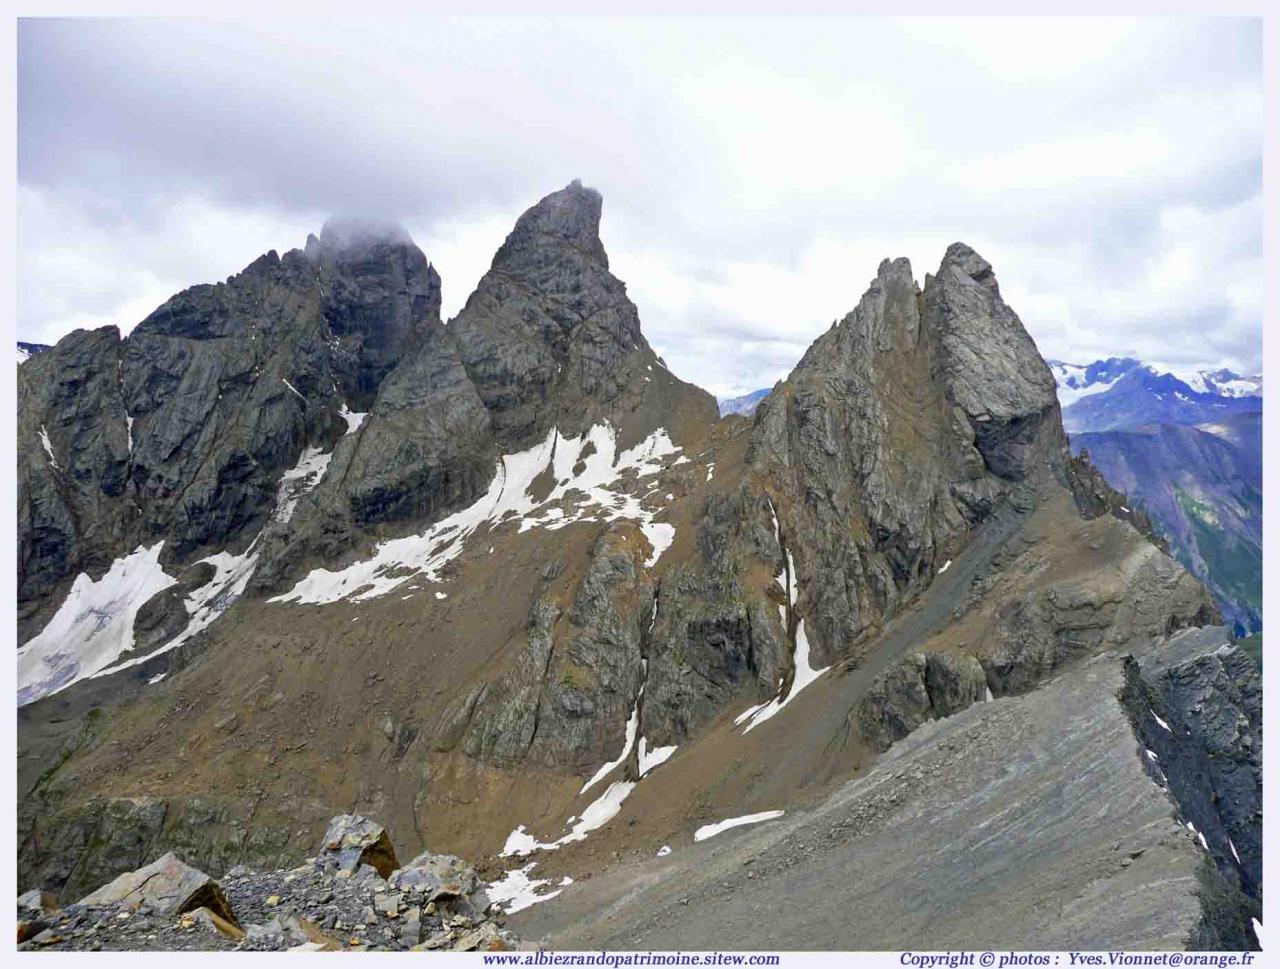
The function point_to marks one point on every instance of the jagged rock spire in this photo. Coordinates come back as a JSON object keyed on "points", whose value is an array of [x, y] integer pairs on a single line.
{"points": [[569, 217]]}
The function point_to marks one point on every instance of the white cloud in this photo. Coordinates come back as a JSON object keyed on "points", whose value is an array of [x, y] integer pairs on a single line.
{"points": [[755, 172]]}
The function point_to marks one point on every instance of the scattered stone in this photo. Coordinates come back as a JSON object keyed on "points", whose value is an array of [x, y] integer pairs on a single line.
{"points": [[435, 902]]}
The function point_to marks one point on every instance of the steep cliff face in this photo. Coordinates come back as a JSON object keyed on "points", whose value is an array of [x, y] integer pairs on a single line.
{"points": [[549, 337], [507, 583], [182, 432], [902, 428]]}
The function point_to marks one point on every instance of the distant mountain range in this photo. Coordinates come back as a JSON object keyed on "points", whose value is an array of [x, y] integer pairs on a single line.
{"points": [[1186, 447], [27, 350], [1123, 392], [744, 405]]}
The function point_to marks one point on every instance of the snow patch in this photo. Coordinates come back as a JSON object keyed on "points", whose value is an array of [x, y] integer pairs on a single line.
{"points": [[587, 471], [156, 679], [804, 676], [128, 429], [664, 851], [1072, 385], [711, 470], [649, 759], [353, 420], [48, 448], [204, 605], [633, 726], [660, 536], [93, 627], [1161, 722], [298, 480], [598, 813], [711, 830], [945, 565], [295, 390], [516, 891], [1193, 379]]}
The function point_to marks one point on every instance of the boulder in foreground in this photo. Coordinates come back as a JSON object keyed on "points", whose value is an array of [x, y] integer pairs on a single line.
{"points": [[167, 886], [353, 840]]}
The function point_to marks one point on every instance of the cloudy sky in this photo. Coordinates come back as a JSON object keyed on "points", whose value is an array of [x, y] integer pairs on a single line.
{"points": [[754, 171]]}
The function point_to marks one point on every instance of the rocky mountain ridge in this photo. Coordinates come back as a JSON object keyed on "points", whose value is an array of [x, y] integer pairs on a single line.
{"points": [[508, 585], [1202, 488]]}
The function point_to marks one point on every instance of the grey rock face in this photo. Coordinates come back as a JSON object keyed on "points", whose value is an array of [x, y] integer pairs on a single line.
{"points": [[713, 637], [901, 428], [993, 371], [566, 700], [1196, 703], [182, 430], [71, 848], [70, 397], [922, 687], [549, 335], [82, 850]]}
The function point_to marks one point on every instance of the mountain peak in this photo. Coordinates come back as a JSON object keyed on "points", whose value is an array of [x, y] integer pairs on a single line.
{"points": [[966, 260], [348, 234], [570, 216]]}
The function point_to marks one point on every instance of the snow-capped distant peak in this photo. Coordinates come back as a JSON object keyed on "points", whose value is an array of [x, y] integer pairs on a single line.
{"points": [[1076, 381], [1219, 383]]}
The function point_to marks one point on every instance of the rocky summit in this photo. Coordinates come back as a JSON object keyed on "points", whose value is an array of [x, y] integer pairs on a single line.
{"points": [[297, 548]]}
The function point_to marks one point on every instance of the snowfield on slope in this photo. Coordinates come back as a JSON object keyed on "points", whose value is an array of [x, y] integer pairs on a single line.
{"points": [[587, 472], [93, 627], [711, 830], [516, 891]]}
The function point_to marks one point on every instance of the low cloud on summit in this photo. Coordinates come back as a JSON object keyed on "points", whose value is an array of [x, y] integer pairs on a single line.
{"points": [[754, 172]]}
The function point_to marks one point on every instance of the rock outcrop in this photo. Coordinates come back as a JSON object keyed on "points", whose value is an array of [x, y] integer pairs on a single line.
{"points": [[435, 902], [167, 886], [921, 687], [183, 429], [352, 842], [1196, 704], [900, 430]]}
